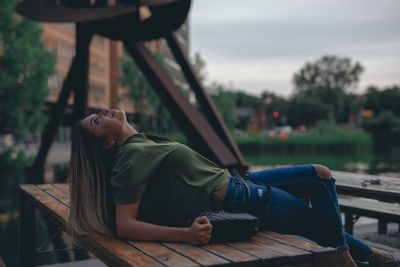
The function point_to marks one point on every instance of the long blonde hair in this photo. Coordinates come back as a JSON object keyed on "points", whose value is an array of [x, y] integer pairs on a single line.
{"points": [[91, 208]]}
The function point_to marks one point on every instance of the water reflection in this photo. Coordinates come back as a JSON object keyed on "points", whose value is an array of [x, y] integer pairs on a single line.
{"points": [[385, 164], [388, 163]]}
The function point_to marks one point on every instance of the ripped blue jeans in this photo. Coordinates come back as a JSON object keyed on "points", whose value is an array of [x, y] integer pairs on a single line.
{"points": [[284, 212]]}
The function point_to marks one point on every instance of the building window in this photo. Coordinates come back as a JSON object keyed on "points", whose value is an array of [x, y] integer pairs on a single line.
{"points": [[97, 67], [55, 81], [65, 51], [98, 41], [97, 92]]}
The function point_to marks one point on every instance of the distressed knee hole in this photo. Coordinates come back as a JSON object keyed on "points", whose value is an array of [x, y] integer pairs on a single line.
{"points": [[322, 171]]}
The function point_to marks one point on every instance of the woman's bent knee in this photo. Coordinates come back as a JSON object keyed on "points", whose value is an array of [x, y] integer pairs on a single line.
{"points": [[322, 171]]}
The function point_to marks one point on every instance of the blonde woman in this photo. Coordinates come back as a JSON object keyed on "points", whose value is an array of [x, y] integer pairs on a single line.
{"points": [[144, 187]]}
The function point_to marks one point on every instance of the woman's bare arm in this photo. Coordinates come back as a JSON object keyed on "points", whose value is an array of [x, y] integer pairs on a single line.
{"points": [[128, 227]]}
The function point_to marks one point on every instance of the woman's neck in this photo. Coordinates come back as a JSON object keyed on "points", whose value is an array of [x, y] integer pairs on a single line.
{"points": [[127, 131]]}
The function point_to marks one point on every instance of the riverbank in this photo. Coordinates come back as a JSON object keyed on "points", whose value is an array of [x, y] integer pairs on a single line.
{"points": [[311, 143]]}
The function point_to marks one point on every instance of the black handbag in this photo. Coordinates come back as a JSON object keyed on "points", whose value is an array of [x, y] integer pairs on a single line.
{"points": [[229, 226]]}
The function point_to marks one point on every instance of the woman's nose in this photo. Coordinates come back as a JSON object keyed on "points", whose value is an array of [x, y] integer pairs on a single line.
{"points": [[104, 111]]}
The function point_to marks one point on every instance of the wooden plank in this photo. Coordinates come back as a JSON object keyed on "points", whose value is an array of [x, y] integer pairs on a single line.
{"points": [[47, 204], [390, 211], [290, 240], [63, 187], [231, 254], [268, 256], [115, 252], [322, 256], [295, 254], [162, 253], [109, 249], [351, 184], [197, 254], [54, 200], [57, 194]]}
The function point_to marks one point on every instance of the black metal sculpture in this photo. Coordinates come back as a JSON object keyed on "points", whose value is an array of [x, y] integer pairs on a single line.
{"points": [[120, 20]]}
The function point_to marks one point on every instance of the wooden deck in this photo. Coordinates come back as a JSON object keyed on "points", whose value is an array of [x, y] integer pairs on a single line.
{"points": [[266, 248]]}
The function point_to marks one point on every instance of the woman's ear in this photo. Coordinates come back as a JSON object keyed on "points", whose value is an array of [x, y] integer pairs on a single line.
{"points": [[108, 144]]}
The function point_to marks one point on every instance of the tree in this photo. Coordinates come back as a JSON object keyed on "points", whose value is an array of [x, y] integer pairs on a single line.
{"points": [[383, 100], [384, 126], [225, 101], [199, 67], [25, 66], [307, 111], [328, 79], [274, 103]]}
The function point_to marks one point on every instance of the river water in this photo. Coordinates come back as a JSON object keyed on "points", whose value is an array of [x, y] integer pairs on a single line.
{"points": [[370, 163]]}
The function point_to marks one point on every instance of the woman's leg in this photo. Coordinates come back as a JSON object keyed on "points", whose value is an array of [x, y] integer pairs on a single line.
{"points": [[317, 183], [285, 213]]}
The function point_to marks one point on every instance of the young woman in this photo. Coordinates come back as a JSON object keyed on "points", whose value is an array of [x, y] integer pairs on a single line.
{"points": [[145, 187]]}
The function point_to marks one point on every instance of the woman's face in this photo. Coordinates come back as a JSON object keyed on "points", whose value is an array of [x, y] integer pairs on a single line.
{"points": [[108, 123]]}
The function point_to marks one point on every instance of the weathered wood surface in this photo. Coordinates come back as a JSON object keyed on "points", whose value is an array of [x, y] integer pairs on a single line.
{"points": [[371, 208], [352, 184], [266, 248]]}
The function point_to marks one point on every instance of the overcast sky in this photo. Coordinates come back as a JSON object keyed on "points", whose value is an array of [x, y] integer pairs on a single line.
{"points": [[259, 44]]}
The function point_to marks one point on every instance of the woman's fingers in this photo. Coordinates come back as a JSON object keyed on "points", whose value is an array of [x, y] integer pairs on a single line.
{"points": [[202, 220], [202, 228]]}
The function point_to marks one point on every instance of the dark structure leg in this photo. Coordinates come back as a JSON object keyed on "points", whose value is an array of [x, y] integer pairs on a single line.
{"points": [[26, 232]]}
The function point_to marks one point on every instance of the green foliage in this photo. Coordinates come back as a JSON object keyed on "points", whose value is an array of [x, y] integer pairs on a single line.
{"points": [[328, 72], [307, 110], [246, 100], [12, 171], [274, 103], [383, 100], [385, 131], [335, 143], [314, 138], [384, 127], [199, 66], [225, 102], [328, 126], [25, 66], [328, 79]]}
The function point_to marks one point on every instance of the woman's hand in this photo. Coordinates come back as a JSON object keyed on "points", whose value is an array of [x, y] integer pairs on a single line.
{"points": [[199, 233]]}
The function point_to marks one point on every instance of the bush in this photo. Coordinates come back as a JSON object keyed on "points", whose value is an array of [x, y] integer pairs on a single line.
{"points": [[318, 140], [384, 130]]}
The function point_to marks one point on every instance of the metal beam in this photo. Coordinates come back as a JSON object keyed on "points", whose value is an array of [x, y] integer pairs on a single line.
{"points": [[206, 104], [197, 130]]}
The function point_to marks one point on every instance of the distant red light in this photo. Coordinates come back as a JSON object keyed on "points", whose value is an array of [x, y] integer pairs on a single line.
{"points": [[275, 114]]}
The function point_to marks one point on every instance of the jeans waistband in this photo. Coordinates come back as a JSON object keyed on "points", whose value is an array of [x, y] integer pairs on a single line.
{"points": [[244, 179]]}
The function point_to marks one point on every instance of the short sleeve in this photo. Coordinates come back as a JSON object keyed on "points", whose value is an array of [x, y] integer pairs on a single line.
{"points": [[132, 171]]}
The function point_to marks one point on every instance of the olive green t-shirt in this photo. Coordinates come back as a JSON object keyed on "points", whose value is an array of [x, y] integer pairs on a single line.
{"points": [[171, 180]]}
